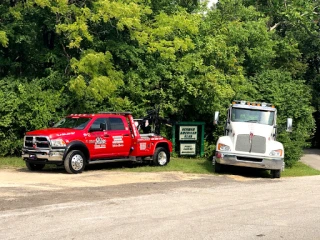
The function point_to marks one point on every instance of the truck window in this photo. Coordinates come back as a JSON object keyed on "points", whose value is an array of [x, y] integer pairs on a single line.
{"points": [[72, 122], [96, 124], [116, 124], [250, 115]]}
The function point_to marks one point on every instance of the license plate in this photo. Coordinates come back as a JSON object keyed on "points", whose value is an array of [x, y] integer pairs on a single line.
{"points": [[32, 156]]}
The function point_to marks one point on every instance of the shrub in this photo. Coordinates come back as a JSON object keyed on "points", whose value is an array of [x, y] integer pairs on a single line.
{"points": [[23, 107]]}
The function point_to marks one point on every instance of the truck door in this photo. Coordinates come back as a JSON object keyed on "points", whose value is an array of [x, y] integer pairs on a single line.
{"points": [[120, 135], [98, 140]]}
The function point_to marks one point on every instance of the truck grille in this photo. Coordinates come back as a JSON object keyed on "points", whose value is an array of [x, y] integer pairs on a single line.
{"points": [[257, 145], [36, 142]]}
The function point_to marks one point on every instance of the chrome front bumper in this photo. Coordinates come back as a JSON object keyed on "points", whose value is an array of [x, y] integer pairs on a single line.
{"points": [[263, 162], [49, 155]]}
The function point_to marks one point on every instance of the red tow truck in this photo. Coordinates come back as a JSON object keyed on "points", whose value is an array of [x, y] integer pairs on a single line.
{"points": [[81, 139]]}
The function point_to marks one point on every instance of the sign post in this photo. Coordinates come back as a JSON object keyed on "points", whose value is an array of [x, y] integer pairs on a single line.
{"points": [[189, 137]]}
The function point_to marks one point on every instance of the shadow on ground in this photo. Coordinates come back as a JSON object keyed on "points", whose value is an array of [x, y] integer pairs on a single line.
{"points": [[246, 172], [54, 169]]}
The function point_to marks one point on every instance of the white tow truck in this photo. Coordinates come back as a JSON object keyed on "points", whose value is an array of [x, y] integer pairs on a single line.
{"points": [[250, 138]]}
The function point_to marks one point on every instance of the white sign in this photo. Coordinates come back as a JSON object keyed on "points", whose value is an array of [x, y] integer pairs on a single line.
{"points": [[143, 146], [187, 149], [117, 141], [188, 133]]}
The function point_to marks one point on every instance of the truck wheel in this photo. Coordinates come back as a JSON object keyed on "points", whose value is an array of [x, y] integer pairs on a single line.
{"points": [[275, 173], [161, 156], [217, 167], [34, 166], [74, 162]]}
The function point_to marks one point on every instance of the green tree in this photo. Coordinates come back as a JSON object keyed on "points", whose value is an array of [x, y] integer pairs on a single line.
{"points": [[99, 55], [296, 24]]}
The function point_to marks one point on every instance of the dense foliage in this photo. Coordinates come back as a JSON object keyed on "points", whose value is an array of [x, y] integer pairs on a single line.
{"points": [[66, 56]]}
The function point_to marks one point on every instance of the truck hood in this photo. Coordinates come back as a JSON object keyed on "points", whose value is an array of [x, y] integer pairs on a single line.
{"points": [[254, 128], [54, 132]]}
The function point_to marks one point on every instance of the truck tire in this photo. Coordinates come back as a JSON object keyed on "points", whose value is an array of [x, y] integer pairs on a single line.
{"points": [[74, 162], [275, 173], [34, 166], [217, 167], [161, 157]]}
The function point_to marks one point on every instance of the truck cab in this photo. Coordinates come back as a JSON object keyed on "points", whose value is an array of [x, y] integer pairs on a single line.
{"points": [[81, 139], [250, 138]]}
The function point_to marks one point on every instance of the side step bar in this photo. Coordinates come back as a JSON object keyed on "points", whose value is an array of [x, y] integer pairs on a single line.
{"points": [[112, 160]]}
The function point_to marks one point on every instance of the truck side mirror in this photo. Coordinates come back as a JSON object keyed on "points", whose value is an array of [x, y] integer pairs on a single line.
{"points": [[216, 118], [103, 126], [289, 124]]}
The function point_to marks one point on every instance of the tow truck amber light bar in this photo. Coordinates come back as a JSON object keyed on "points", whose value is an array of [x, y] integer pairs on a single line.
{"points": [[81, 115], [91, 115], [120, 113], [263, 104]]}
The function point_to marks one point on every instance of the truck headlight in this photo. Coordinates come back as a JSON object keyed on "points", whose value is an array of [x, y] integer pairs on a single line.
{"points": [[223, 147], [58, 143], [276, 153]]}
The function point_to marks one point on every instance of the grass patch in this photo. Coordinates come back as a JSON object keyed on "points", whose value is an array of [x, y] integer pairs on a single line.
{"points": [[186, 165], [11, 162], [300, 169], [194, 165]]}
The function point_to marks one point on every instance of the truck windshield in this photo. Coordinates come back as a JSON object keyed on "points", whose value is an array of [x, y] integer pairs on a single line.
{"points": [[250, 115], [76, 123]]}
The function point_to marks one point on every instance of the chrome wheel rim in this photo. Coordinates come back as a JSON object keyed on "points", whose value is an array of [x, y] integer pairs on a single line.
{"points": [[77, 162], [162, 158]]}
